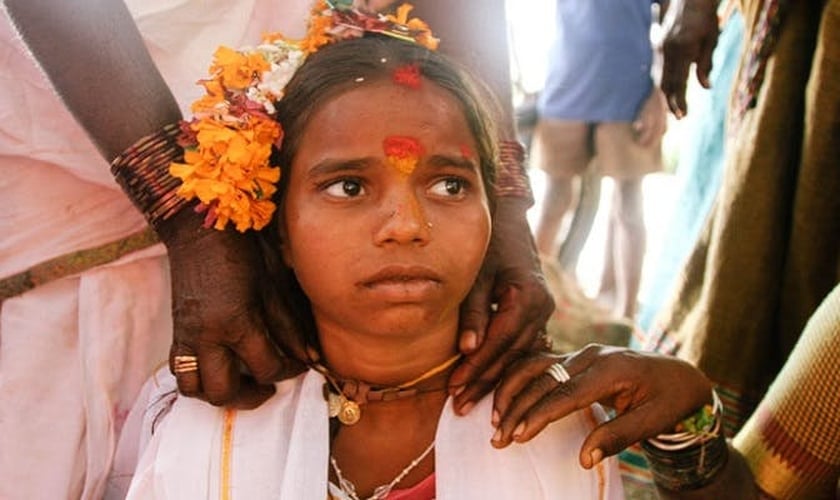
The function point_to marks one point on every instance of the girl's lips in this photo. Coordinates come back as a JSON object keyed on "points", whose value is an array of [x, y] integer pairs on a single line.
{"points": [[402, 283], [401, 275]]}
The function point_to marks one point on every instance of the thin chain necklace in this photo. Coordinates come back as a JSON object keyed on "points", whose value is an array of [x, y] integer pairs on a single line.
{"points": [[380, 492]]}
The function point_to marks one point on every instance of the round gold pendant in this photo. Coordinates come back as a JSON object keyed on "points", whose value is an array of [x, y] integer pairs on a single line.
{"points": [[350, 412]]}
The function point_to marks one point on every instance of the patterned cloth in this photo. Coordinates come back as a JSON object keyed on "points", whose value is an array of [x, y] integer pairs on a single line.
{"points": [[792, 441], [770, 251]]}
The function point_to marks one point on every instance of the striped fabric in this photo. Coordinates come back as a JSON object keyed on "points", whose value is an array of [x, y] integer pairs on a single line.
{"points": [[792, 442]]}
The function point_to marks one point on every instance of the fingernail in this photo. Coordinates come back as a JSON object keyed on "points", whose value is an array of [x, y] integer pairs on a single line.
{"points": [[457, 392], [497, 436], [465, 409], [494, 419], [596, 456], [518, 431], [469, 341]]}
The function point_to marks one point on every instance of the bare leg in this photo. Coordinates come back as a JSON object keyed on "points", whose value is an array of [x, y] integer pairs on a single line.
{"points": [[629, 241], [607, 290], [589, 198], [561, 149], [556, 202]]}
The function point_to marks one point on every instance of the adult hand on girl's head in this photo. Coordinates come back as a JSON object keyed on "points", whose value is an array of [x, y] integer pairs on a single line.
{"points": [[649, 392], [220, 315], [512, 279], [691, 33]]}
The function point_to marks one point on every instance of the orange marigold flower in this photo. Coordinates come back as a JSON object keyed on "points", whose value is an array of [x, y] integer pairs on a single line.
{"points": [[237, 70], [213, 100], [320, 24], [423, 33], [229, 171]]}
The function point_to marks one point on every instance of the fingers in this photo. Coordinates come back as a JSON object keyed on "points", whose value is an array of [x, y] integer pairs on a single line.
{"points": [[219, 374], [511, 333], [526, 383], [674, 78], [189, 382], [243, 393], [616, 435], [704, 63], [251, 394], [475, 314], [284, 331], [543, 399]]}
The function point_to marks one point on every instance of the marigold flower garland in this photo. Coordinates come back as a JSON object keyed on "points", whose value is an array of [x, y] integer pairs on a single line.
{"points": [[229, 140]]}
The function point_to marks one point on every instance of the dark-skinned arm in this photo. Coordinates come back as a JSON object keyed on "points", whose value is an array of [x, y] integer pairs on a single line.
{"points": [[476, 37], [219, 311], [649, 393]]}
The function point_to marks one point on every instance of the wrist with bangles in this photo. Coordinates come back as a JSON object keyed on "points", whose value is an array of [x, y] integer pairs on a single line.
{"points": [[690, 457], [512, 177], [142, 171]]}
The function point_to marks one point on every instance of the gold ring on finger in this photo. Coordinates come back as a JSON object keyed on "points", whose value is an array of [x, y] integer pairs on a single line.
{"points": [[184, 364]]}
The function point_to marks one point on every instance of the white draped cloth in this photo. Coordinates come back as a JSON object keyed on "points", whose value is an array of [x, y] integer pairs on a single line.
{"points": [[75, 352], [281, 451]]}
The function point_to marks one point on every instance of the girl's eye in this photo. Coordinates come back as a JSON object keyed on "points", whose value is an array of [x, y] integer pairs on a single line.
{"points": [[449, 187], [345, 188]]}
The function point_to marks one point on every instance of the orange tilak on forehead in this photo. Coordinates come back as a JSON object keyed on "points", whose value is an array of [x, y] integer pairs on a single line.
{"points": [[402, 153]]}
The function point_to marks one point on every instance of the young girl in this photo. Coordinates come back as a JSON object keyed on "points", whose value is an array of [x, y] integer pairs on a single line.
{"points": [[384, 218]]}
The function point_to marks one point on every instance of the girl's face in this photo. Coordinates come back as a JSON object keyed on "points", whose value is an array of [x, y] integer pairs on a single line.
{"points": [[386, 218]]}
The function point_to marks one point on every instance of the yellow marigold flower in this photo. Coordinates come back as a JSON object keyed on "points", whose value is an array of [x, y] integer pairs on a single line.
{"points": [[237, 70], [212, 99], [401, 16]]}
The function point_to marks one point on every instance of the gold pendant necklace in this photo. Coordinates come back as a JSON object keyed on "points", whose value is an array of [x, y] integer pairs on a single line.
{"points": [[345, 397], [347, 411]]}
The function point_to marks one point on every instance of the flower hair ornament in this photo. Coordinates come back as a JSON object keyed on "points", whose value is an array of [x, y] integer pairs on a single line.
{"points": [[230, 138]]}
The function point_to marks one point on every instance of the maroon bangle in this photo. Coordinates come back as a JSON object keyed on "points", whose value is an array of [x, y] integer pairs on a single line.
{"points": [[512, 180], [142, 171]]}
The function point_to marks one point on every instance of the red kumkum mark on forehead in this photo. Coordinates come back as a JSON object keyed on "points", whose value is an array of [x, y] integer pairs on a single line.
{"points": [[408, 75], [402, 153]]}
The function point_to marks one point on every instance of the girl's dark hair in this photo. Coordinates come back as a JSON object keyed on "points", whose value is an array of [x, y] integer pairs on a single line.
{"points": [[347, 65]]}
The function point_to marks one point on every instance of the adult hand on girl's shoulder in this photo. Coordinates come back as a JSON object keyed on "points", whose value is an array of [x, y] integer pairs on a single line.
{"points": [[507, 308], [650, 393], [222, 315]]}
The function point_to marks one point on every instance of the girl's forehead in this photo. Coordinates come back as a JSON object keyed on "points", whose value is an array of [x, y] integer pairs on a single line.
{"points": [[390, 109]]}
